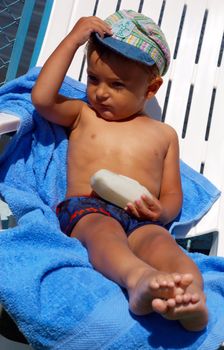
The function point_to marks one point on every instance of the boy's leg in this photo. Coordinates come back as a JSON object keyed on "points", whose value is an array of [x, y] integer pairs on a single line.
{"points": [[109, 252], [155, 246]]}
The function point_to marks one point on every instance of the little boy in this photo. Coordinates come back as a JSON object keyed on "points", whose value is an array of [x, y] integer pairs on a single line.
{"points": [[126, 56]]}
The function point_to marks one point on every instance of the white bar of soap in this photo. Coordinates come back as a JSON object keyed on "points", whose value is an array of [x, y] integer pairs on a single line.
{"points": [[117, 189]]}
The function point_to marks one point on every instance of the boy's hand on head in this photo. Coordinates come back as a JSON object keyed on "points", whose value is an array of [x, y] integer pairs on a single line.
{"points": [[88, 25], [145, 208]]}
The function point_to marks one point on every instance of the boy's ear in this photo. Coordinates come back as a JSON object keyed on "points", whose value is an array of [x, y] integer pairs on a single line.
{"points": [[154, 86]]}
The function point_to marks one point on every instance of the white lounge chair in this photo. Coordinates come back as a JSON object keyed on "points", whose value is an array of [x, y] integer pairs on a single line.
{"points": [[191, 99]]}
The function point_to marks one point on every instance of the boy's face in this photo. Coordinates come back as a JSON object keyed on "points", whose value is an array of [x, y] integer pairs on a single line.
{"points": [[117, 88]]}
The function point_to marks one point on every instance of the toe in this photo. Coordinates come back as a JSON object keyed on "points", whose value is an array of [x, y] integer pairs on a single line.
{"points": [[160, 306], [186, 280]]}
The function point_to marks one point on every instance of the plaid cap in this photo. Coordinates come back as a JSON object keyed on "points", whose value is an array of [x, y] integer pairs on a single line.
{"points": [[137, 37]]}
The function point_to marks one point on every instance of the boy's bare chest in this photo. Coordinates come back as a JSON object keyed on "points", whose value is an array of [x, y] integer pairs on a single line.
{"points": [[118, 139], [129, 149]]}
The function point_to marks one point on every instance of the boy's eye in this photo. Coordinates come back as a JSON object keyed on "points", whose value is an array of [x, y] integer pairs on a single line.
{"points": [[92, 79], [118, 85]]}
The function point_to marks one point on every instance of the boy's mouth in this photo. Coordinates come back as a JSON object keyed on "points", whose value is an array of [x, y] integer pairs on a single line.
{"points": [[103, 107]]}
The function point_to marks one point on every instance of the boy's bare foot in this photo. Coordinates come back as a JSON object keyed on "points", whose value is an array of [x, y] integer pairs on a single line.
{"points": [[189, 308], [152, 284]]}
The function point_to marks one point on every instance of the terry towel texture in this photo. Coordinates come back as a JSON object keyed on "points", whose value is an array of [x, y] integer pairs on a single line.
{"points": [[46, 281]]}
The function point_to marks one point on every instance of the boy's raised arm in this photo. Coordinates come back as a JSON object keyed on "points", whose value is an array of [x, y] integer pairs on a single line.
{"points": [[45, 96]]}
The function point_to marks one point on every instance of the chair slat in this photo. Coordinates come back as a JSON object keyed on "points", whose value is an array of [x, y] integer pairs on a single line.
{"points": [[128, 5], [55, 32], [182, 70], [194, 150], [152, 8]]}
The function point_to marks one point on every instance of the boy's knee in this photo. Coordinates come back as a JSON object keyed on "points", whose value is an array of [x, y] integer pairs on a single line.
{"points": [[149, 236]]}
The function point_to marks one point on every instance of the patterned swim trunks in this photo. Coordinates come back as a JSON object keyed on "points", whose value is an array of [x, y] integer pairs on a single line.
{"points": [[71, 210]]}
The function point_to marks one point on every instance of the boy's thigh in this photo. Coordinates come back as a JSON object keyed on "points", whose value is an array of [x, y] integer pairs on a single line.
{"points": [[96, 225]]}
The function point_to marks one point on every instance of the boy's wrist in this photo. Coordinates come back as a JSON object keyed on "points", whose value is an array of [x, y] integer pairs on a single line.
{"points": [[168, 215], [72, 42]]}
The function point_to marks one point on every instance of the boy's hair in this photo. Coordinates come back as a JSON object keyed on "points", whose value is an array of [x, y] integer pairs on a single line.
{"points": [[94, 44]]}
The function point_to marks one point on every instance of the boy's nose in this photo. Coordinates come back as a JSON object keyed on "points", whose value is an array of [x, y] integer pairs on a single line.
{"points": [[102, 92]]}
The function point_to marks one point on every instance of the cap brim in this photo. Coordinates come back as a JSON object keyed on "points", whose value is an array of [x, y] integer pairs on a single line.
{"points": [[126, 50]]}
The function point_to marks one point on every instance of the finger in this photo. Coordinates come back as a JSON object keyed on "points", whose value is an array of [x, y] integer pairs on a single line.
{"points": [[103, 27], [95, 24], [143, 209], [153, 206], [102, 31], [147, 199], [132, 209], [140, 205]]}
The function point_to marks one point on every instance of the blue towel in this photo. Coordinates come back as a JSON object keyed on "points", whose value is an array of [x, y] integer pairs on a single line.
{"points": [[198, 196], [47, 284]]}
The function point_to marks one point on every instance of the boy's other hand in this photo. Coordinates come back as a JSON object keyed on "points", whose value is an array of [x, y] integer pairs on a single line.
{"points": [[145, 208]]}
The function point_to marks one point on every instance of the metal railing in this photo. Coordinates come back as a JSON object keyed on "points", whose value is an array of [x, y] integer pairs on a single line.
{"points": [[19, 25]]}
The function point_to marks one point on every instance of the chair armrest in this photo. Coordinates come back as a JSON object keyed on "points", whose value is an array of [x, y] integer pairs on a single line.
{"points": [[8, 123]]}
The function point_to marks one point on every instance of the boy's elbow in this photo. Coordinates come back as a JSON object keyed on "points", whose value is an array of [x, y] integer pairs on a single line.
{"points": [[39, 101], [36, 98]]}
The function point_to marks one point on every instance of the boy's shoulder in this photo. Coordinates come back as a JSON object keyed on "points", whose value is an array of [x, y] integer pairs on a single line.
{"points": [[165, 129], [162, 125]]}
